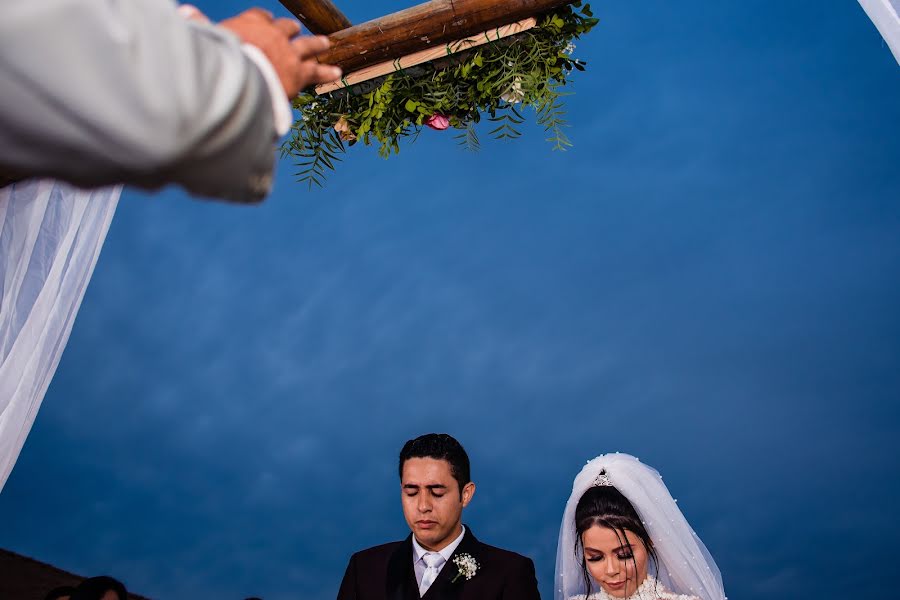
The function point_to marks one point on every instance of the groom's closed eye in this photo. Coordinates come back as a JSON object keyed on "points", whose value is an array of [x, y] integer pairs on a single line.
{"points": [[436, 490]]}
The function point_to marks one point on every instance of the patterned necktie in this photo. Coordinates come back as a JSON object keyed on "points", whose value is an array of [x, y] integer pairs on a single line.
{"points": [[433, 562]]}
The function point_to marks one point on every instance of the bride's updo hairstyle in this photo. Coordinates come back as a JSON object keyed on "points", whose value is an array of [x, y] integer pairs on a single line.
{"points": [[605, 506]]}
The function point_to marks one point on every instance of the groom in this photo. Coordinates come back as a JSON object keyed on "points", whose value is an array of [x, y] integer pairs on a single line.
{"points": [[440, 559]]}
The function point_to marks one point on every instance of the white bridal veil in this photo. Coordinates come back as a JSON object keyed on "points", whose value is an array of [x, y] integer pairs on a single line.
{"points": [[50, 238], [685, 565]]}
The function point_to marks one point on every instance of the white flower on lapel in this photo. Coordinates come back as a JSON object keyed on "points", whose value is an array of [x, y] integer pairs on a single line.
{"points": [[467, 566]]}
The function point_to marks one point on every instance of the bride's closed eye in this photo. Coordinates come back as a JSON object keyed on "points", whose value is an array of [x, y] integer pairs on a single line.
{"points": [[624, 553], [592, 559]]}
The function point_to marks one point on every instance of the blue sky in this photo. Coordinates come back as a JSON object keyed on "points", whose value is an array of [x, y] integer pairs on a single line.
{"points": [[709, 280]]}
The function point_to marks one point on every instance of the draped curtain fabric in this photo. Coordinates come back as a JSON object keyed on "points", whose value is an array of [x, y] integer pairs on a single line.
{"points": [[50, 238], [886, 16]]}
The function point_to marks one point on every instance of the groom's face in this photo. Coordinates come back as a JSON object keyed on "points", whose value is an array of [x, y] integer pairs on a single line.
{"points": [[432, 502]]}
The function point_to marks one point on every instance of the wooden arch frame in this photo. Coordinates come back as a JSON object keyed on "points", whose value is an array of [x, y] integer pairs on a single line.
{"points": [[414, 29]]}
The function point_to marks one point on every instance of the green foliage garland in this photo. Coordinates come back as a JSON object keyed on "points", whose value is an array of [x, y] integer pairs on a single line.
{"points": [[497, 80]]}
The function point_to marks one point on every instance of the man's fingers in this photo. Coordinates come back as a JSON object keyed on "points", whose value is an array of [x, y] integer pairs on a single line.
{"points": [[289, 27], [261, 13], [309, 46], [317, 73], [293, 59]]}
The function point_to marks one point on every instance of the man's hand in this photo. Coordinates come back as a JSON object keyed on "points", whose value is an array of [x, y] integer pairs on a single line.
{"points": [[293, 59]]}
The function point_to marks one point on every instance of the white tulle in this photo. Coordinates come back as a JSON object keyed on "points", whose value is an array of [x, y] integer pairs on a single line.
{"points": [[50, 238], [885, 14], [685, 566]]}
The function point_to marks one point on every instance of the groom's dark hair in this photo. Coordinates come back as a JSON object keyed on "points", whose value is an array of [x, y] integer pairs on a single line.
{"points": [[96, 587], [439, 446]]}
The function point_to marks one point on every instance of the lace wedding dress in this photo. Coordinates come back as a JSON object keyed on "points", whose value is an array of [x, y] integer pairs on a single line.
{"points": [[651, 589]]}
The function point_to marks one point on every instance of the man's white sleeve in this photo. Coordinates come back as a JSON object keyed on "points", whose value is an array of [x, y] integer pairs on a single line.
{"points": [[101, 92]]}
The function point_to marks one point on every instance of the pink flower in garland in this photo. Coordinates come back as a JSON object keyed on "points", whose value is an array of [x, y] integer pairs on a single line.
{"points": [[439, 122]]}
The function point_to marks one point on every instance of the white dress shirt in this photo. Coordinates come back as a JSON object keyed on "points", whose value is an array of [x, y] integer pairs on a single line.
{"points": [[446, 553], [281, 106]]}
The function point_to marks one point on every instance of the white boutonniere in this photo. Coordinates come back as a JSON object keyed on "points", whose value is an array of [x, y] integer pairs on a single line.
{"points": [[467, 566]]}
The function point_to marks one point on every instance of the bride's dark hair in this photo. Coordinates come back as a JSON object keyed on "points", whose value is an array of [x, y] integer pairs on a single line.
{"points": [[607, 507]]}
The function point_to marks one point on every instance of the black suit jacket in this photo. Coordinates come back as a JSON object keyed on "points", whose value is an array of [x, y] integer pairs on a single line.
{"points": [[386, 573]]}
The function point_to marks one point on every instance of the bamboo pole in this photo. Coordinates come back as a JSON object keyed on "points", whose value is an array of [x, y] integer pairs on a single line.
{"points": [[423, 26], [424, 56], [321, 17]]}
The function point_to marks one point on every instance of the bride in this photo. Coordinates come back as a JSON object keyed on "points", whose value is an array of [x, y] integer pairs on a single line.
{"points": [[623, 536]]}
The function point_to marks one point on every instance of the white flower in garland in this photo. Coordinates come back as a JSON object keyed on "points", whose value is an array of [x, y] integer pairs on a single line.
{"points": [[515, 94], [467, 566]]}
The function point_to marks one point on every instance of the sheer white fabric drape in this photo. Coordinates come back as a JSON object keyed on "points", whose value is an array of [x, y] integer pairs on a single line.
{"points": [[50, 238], [886, 16]]}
